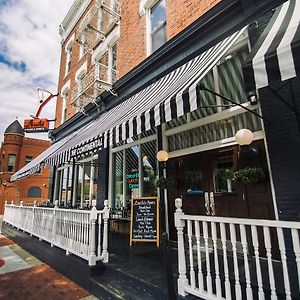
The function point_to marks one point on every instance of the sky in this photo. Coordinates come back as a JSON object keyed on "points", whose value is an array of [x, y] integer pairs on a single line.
{"points": [[29, 57]]}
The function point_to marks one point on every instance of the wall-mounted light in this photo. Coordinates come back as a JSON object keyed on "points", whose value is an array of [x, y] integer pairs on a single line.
{"points": [[252, 97]]}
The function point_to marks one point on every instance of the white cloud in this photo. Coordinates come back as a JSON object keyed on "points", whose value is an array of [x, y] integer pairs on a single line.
{"points": [[29, 35]]}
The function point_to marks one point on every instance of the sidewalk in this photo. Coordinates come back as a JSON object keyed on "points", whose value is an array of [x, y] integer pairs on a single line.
{"points": [[24, 277]]}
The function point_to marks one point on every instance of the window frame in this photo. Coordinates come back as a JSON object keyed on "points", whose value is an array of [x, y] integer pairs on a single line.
{"points": [[11, 168], [149, 33]]}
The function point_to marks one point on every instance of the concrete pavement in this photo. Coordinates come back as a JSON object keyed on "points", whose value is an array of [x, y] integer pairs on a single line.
{"points": [[24, 277]]}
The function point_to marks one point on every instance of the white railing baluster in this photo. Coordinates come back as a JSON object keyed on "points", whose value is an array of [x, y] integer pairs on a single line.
{"points": [[227, 282], [286, 279], [296, 247], [200, 275], [208, 275], [267, 240], [105, 216], [214, 238], [92, 250], [261, 295], [179, 224], [238, 291], [192, 271], [249, 292]]}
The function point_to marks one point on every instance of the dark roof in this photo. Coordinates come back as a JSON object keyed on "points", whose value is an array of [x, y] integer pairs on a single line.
{"points": [[15, 127]]}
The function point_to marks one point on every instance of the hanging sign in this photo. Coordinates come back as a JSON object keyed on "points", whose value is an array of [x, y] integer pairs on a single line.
{"points": [[36, 125], [144, 222]]}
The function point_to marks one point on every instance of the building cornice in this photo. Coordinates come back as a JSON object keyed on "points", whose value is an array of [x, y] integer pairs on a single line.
{"points": [[72, 17]]}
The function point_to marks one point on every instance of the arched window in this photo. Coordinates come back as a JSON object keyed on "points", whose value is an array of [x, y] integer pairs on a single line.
{"points": [[34, 192]]}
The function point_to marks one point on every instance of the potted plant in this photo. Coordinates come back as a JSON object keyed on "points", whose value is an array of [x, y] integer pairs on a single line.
{"points": [[249, 175], [165, 182], [228, 174]]}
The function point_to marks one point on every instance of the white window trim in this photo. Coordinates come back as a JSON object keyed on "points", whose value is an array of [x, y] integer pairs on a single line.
{"points": [[145, 6], [81, 72], [64, 91], [68, 47], [111, 39]]}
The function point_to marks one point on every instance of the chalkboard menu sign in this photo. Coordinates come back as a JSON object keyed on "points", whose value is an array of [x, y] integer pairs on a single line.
{"points": [[144, 223]]}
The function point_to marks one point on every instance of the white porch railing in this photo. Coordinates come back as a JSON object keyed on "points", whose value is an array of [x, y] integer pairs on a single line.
{"points": [[231, 258], [82, 233]]}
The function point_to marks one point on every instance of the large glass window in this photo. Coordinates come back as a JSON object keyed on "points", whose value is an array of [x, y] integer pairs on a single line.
{"points": [[134, 172], [11, 162], [158, 34]]}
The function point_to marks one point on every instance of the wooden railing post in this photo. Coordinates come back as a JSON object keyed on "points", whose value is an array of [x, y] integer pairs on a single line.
{"points": [[92, 246], [32, 220], [179, 224], [54, 222], [105, 232]]}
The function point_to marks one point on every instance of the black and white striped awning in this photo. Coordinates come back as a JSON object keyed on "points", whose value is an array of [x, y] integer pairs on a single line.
{"points": [[276, 55], [35, 165], [170, 97]]}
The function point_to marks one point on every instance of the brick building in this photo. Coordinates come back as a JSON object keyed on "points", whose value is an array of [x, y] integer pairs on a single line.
{"points": [[17, 151], [184, 76], [144, 75]]}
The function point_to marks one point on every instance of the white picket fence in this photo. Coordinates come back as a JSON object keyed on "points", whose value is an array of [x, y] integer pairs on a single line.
{"points": [[232, 258], [81, 232]]}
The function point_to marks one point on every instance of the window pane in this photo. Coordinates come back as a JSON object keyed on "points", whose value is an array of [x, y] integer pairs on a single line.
{"points": [[159, 37], [222, 170], [28, 159], [118, 179], [158, 14], [149, 168], [132, 172], [79, 185], [11, 162], [193, 179]]}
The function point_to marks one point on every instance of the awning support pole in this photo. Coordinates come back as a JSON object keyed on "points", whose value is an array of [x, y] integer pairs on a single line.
{"points": [[202, 87]]}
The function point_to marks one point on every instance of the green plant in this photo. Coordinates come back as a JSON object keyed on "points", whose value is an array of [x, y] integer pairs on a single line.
{"points": [[228, 174], [165, 182], [249, 175]]}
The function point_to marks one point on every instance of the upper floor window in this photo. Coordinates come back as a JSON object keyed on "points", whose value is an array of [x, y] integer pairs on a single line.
{"points": [[112, 61], [157, 28], [69, 54], [64, 107], [68, 50], [11, 163], [28, 159]]}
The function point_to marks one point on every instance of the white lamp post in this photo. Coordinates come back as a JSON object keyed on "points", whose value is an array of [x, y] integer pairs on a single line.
{"points": [[162, 156]]}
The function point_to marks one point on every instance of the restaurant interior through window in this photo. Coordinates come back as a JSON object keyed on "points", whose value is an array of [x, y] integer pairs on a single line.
{"points": [[76, 184], [134, 172]]}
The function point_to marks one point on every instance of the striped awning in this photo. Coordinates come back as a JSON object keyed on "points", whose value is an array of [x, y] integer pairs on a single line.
{"points": [[170, 97], [35, 165], [275, 57]]}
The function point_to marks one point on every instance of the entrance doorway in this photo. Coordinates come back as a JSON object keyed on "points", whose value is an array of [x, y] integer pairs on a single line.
{"points": [[204, 184]]}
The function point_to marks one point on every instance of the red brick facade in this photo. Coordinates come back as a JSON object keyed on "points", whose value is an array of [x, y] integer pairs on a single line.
{"points": [[21, 147], [131, 44]]}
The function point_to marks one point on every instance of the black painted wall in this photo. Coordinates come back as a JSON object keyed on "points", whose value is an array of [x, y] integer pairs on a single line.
{"points": [[102, 188], [283, 136], [283, 140]]}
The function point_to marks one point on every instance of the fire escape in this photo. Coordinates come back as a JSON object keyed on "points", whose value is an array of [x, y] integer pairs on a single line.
{"points": [[97, 24]]}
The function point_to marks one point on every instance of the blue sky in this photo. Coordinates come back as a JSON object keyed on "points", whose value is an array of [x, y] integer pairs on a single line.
{"points": [[29, 56]]}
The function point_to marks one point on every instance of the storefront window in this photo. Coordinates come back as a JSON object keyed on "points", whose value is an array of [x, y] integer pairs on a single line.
{"points": [[118, 179], [149, 168], [223, 168], [134, 173]]}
